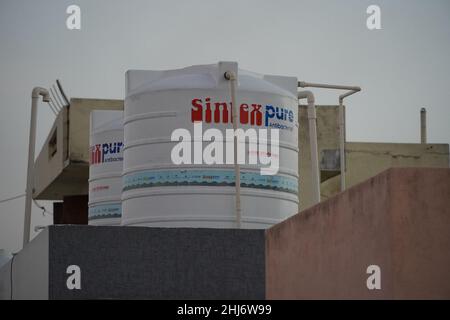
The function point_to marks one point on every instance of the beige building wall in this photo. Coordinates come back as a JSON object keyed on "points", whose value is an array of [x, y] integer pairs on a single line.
{"points": [[62, 167], [79, 117], [328, 144], [363, 159]]}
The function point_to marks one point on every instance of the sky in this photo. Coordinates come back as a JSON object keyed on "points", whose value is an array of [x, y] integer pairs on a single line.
{"points": [[401, 67]]}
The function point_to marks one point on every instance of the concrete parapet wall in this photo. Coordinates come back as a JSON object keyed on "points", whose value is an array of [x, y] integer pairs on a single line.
{"points": [[398, 220]]}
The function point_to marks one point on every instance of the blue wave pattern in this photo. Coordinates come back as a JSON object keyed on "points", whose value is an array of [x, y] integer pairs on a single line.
{"points": [[105, 211], [156, 178]]}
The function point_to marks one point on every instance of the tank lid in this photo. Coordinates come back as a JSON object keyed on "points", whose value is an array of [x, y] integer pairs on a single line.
{"points": [[207, 77]]}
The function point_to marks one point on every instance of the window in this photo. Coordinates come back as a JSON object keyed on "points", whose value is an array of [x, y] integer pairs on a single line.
{"points": [[52, 144]]}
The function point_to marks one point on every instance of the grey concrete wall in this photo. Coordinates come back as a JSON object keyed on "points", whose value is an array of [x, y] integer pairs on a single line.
{"points": [[139, 263], [158, 263]]}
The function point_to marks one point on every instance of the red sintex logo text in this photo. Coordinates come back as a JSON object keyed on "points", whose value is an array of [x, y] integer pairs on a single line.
{"points": [[106, 152], [249, 114]]}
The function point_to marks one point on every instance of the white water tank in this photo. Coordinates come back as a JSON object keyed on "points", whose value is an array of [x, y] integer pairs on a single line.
{"points": [[105, 169], [157, 192]]}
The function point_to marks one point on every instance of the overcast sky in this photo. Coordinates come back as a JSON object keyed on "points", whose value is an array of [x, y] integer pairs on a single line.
{"points": [[401, 67]]}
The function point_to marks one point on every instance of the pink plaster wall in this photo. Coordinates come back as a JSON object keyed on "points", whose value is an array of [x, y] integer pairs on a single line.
{"points": [[398, 220]]}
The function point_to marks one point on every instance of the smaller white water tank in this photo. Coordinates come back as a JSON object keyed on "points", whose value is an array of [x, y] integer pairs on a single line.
{"points": [[105, 170]]}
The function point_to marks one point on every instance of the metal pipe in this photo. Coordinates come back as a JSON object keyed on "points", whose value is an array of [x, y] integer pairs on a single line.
{"points": [[231, 76], [423, 125], [345, 95], [342, 142], [342, 134], [352, 90], [62, 93], [57, 95], [52, 108], [312, 122], [54, 100], [303, 84], [55, 106], [52, 104], [37, 91]]}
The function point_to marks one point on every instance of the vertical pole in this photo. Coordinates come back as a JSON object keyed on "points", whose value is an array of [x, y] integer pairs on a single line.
{"points": [[237, 169], [423, 125], [312, 118], [30, 171], [342, 143], [312, 123], [37, 91]]}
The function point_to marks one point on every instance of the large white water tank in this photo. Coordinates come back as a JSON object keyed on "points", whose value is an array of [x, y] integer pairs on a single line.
{"points": [[157, 192], [105, 170]]}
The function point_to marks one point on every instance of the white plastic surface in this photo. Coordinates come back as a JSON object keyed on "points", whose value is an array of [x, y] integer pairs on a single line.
{"points": [[159, 193], [105, 170]]}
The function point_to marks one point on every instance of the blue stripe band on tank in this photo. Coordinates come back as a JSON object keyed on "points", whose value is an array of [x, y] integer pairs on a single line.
{"points": [[220, 178], [105, 211]]}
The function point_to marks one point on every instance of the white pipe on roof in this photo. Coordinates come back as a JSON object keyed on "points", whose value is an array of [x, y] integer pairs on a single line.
{"points": [[35, 94], [313, 143]]}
